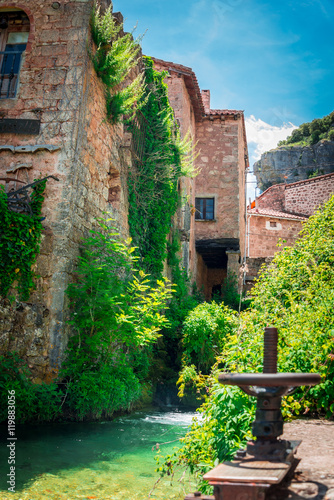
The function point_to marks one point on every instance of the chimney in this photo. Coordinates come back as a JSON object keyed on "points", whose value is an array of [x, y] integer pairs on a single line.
{"points": [[206, 100]]}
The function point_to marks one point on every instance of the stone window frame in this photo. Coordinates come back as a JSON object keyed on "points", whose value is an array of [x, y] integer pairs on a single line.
{"points": [[208, 197], [12, 7], [270, 227]]}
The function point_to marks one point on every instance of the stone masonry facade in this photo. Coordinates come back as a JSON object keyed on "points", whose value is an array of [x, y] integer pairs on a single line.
{"points": [[214, 245], [304, 197], [275, 218], [76, 144], [58, 91]]}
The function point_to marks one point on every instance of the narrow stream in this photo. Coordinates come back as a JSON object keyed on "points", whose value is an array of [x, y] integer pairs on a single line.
{"points": [[102, 461]]}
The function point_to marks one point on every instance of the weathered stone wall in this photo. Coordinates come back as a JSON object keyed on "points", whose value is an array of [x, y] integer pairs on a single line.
{"points": [[253, 267], [218, 164], [201, 275], [304, 197], [222, 161], [217, 144], [58, 85], [273, 198], [263, 238]]}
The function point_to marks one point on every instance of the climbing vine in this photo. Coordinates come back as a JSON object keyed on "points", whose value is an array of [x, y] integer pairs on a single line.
{"points": [[20, 236], [115, 56], [153, 180]]}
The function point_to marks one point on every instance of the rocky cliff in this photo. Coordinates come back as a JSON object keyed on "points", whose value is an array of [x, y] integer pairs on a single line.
{"points": [[291, 163]]}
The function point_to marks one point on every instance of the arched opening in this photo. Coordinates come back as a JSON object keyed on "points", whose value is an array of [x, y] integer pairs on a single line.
{"points": [[14, 33]]}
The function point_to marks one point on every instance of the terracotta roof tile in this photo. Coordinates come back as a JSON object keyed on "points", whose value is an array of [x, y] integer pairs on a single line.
{"points": [[274, 213], [225, 112]]}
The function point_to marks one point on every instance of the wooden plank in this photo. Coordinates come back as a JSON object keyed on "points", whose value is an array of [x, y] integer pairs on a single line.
{"points": [[248, 471]]}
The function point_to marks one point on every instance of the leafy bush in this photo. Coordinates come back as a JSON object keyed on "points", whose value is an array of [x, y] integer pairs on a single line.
{"points": [[205, 331], [296, 295], [223, 426], [116, 314], [115, 56], [33, 402]]}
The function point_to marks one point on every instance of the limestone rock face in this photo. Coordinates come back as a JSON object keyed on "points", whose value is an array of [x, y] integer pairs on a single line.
{"points": [[294, 163]]}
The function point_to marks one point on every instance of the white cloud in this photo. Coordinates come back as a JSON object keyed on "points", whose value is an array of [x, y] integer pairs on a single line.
{"points": [[262, 136]]}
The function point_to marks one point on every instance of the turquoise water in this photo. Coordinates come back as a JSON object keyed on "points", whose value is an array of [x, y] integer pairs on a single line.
{"points": [[103, 461]]}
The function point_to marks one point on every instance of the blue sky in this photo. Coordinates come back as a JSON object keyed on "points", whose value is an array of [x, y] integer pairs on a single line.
{"points": [[272, 59]]}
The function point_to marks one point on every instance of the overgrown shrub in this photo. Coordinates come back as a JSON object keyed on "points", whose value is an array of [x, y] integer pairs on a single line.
{"points": [[205, 331], [117, 314], [33, 402], [222, 427], [115, 56], [296, 295]]}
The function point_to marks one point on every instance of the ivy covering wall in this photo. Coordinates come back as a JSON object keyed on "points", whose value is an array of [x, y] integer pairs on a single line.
{"points": [[20, 236], [153, 180]]}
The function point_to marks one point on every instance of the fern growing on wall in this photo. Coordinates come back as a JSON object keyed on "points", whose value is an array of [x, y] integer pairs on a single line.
{"points": [[115, 56]]}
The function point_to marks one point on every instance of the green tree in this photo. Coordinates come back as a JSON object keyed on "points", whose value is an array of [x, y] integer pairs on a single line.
{"points": [[117, 315]]}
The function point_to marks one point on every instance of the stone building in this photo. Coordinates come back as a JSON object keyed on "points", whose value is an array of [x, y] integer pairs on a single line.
{"points": [[53, 122], [216, 195], [277, 216]]}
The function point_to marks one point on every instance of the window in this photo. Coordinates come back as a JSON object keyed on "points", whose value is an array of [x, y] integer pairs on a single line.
{"points": [[14, 35], [205, 208]]}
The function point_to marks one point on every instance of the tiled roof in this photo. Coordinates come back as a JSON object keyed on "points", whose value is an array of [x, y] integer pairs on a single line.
{"points": [[191, 83], [267, 212], [215, 112]]}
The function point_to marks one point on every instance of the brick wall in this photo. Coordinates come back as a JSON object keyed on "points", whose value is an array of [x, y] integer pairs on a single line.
{"points": [[304, 197], [272, 198], [263, 239], [58, 85]]}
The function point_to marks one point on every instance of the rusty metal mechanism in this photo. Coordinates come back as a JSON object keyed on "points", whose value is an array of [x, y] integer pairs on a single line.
{"points": [[19, 200], [269, 387], [267, 460]]}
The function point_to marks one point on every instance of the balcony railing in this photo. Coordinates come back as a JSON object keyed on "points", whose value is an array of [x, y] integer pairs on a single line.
{"points": [[9, 71]]}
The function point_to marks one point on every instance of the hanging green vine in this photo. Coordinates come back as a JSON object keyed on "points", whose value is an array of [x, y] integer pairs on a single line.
{"points": [[20, 236], [115, 56], [153, 180]]}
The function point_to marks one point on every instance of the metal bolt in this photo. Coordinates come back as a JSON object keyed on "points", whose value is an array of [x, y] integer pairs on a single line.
{"points": [[270, 350]]}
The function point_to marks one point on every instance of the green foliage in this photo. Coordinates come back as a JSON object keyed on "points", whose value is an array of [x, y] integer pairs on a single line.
{"points": [[310, 133], [33, 402], [115, 56], [117, 314], [223, 426], [168, 350], [205, 331], [153, 181], [229, 293], [20, 236], [296, 295]]}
